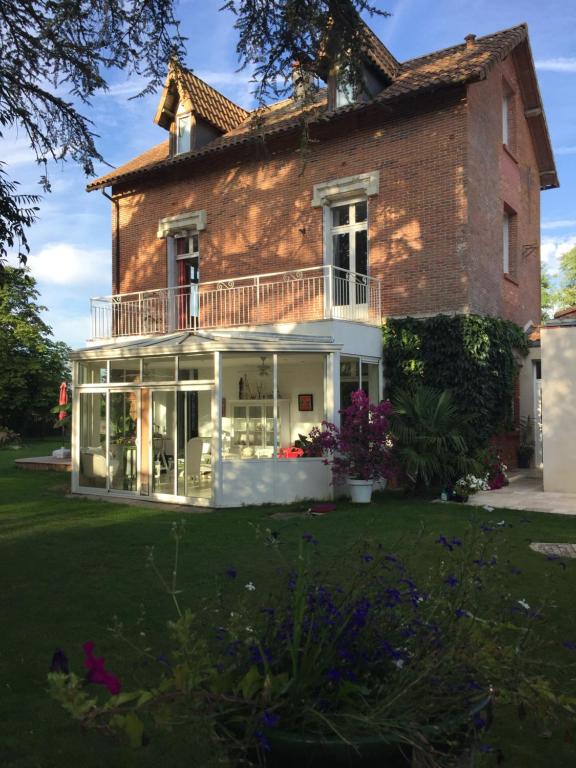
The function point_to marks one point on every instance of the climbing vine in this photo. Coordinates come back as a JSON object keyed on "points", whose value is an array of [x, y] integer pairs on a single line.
{"points": [[474, 357]]}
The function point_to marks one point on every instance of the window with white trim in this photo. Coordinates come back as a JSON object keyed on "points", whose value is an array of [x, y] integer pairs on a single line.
{"points": [[506, 243], [183, 131], [509, 243], [187, 253], [506, 118], [349, 250], [508, 122]]}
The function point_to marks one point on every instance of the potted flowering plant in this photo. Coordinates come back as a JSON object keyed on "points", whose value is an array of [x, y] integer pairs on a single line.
{"points": [[493, 468], [466, 486], [359, 448], [380, 669]]}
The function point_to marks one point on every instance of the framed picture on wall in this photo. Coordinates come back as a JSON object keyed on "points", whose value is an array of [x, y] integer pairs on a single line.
{"points": [[305, 402]]}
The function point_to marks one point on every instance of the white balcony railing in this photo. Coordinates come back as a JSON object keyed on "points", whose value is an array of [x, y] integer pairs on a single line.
{"points": [[290, 297]]}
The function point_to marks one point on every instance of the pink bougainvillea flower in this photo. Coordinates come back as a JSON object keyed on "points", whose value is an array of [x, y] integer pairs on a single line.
{"points": [[96, 672]]}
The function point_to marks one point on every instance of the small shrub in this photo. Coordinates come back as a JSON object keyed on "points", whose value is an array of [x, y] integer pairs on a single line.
{"points": [[9, 438]]}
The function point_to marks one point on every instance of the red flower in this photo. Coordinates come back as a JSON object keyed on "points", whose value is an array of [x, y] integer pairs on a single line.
{"points": [[96, 673]]}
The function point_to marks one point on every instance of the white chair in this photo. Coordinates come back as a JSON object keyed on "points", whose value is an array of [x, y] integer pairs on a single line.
{"points": [[194, 460]]}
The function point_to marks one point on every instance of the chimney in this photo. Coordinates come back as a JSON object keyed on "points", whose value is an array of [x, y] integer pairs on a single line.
{"points": [[470, 40], [302, 81]]}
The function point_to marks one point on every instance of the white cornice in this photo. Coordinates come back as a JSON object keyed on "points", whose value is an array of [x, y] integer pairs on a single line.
{"points": [[330, 191], [183, 222]]}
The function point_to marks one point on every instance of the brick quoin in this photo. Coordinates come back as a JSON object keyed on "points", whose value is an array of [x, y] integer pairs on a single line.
{"points": [[435, 226]]}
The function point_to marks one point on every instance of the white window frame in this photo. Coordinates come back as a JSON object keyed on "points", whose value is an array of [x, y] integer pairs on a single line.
{"points": [[506, 118], [190, 253], [349, 229], [183, 135], [506, 243]]}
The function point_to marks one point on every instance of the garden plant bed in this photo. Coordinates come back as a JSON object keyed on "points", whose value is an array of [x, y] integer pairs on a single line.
{"points": [[70, 565]]}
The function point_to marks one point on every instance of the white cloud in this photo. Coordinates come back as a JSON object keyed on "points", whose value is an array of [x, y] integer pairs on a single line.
{"points": [[73, 328], [65, 264], [559, 224], [553, 248], [126, 88], [565, 150], [16, 151], [558, 64]]}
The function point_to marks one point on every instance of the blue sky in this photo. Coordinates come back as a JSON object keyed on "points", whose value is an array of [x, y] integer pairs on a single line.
{"points": [[71, 242]]}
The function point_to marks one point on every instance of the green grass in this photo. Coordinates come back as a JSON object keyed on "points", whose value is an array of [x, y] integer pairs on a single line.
{"points": [[68, 565]]}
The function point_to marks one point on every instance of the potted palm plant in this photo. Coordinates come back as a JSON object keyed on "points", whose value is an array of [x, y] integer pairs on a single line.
{"points": [[526, 445], [429, 443], [358, 451]]}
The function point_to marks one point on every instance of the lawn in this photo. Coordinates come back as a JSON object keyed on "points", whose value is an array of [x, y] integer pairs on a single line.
{"points": [[68, 566]]}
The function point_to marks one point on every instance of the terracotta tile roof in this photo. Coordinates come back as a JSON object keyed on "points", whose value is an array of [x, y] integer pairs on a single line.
{"points": [[211, 105], [565, 312], [459, 64], [379, 56], [534, 336]]}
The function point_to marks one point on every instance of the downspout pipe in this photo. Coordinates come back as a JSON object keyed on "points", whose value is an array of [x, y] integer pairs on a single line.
{"points": [[116, 270]]}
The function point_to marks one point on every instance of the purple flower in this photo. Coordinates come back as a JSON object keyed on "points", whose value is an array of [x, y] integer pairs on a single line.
{"points": [[460, 613], [479, 722], [367, 558], [262, 740], [570, 645], [393, 598], [334, 674], [454, 542], [269, 719], [452, 581], [231, 573], [309, 539], [59, 662], [485, 748]]}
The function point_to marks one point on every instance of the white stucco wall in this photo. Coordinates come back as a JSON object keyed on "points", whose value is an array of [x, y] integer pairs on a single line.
{"points": [[527, 383], [275, 481], [559, 407], [356, 338]]}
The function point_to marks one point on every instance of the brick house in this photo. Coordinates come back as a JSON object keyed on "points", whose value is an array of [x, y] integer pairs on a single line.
{"points": [[255, 256]]}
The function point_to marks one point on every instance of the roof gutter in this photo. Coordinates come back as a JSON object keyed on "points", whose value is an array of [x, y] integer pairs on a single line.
{"points": [[116, 264]]}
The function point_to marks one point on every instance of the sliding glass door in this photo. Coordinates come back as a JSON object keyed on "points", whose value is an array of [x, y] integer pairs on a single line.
{"points": [[123, 429], [181, 442]]}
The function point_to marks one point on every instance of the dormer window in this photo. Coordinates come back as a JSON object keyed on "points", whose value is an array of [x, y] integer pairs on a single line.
{"points": [[183, 131], [344, 92]]}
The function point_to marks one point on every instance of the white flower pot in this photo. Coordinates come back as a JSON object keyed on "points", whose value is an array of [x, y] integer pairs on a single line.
{"points": [[360, 491]]}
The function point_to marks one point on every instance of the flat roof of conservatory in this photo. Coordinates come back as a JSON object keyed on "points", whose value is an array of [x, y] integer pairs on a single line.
{"points": [[187, 342]]}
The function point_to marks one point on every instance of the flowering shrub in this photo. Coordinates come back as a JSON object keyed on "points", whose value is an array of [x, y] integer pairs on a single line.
{"points": [[8, 437], [470, 484], [493, 468], [360, 447], [418, 660]]}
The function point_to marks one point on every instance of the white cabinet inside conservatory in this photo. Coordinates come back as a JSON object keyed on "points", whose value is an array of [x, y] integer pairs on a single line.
{"points": [[252, 428]]}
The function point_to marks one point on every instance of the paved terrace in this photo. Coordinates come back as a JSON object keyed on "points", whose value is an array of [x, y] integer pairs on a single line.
{"points": [[525, 492]]}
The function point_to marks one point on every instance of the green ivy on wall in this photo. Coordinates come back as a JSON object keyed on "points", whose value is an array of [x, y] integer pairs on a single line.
{"points": [[474, 357]]}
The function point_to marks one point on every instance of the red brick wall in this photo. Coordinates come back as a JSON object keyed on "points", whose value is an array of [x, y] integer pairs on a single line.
{"points": [[260, 217], [434, 227], [497, 179]]}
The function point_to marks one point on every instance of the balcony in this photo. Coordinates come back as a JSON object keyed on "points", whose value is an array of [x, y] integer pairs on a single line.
{"points": [[317, 293]]}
